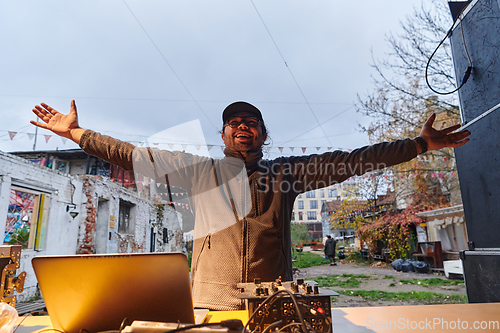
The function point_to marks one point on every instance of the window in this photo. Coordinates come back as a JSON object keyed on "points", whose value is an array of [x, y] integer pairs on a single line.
{"points": [[126, 221], [310, 194], [27, 218], [300, 216], [311, 215], [322, 192], [313, 204], [293, 216], [300, 204], [322, 203], [332, 192], [300, 195]]}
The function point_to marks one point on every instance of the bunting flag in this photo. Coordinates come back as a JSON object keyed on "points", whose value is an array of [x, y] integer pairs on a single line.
{"points": [[31, 136], [291, 148], [12, 134], [141, 144], [329, 148], [184, 146], [158, 185], [209, 147], [197, 147], [47, 137], [318, 148], [64, 140], [170, 145], [156, 143]]}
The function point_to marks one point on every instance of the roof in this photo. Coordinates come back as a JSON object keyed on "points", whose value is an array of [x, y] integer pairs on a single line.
{"points": [[67, 154]]}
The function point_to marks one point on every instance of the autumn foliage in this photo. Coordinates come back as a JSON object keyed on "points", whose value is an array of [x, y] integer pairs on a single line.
{"points": [[393, 228]]}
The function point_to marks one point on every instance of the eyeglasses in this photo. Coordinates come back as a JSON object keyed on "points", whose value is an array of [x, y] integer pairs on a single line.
{"points": [[249, 121]]}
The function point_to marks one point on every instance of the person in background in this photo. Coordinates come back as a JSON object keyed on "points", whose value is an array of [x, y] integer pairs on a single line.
{"points": [[330, 245]]}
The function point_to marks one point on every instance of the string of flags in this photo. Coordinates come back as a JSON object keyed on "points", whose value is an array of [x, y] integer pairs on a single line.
{"points": [[182, 146], [31, 136]]}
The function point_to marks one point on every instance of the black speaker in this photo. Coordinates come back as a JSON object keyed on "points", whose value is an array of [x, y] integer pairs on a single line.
{"points": [[475, 41]]}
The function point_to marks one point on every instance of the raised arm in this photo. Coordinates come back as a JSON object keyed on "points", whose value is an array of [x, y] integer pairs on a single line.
{"points": [[65, 125]]}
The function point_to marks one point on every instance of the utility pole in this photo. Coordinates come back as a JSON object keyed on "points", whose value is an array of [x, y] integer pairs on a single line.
{"points": [[36, 134]]}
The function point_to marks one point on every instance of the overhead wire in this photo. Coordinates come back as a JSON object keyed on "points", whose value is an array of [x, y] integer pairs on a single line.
{"points": [[309, 130], [290, 71], [168, 63]]}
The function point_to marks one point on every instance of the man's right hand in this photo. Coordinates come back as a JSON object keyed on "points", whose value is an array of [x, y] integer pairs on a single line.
{"points": [[65, 125]]}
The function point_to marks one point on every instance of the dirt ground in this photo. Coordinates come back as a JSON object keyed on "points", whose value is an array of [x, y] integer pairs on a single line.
{"points": [[380, 280]]}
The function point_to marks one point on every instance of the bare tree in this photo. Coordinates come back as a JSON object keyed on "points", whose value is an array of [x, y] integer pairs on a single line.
{"points": [[402, 101]]}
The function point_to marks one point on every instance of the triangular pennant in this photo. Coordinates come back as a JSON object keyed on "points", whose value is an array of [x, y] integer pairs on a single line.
{"points": [[156, 143], [64, 140], [304, 149], [329, 148], [197, 147], [221, 148], [31, 136], [280, 149], [292, 148], [158, 185], [47, 137], [318, 148], [12, 134], [170, 145], [184, 146], [209, 147]]}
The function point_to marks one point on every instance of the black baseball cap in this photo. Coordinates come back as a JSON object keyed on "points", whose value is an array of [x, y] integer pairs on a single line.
{"points": [[236, 107]]}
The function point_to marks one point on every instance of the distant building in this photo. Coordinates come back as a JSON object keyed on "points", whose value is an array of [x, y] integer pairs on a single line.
{"points": [[51, 207]]}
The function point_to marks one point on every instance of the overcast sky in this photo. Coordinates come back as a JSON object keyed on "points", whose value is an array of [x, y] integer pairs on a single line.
{"points": [[136, 68]]}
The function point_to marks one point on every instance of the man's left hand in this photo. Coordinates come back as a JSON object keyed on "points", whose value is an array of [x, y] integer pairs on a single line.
{"points": [[437, 139]]}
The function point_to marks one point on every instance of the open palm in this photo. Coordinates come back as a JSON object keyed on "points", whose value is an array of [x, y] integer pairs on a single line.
{"points": [[60, 124]]}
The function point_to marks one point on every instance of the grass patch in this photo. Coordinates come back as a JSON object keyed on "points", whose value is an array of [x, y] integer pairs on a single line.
{"points": [[392, 284], [433, 282], [343, 281], [308, 259], [389, 277], [429, 297]]}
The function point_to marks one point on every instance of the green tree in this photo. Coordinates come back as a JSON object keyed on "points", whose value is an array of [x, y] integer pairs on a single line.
{"points": [[299, 234]]}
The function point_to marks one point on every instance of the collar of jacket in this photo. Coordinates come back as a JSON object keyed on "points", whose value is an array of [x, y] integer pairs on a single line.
{"points": [[251, 160]]}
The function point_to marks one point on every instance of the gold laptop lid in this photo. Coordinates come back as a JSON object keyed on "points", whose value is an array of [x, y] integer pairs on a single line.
{"points": [[97, 292]]}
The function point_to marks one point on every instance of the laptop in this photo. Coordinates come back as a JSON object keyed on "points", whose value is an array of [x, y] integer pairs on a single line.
{"points": [[100, 292]]}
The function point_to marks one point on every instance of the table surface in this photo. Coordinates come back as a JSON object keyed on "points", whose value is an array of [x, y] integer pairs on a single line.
{"points": [[481, 317]]}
